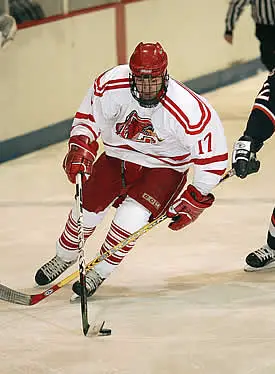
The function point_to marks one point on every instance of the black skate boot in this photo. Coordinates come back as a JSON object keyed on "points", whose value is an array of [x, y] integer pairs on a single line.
{"points": [[93, 281], [51, 270], [262, 258]]}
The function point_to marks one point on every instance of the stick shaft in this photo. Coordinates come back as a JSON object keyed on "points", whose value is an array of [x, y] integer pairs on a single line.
{"points": [[81, 258]]}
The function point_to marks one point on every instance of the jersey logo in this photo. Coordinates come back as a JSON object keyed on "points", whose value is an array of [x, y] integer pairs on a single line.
{"points": [[137, 129]]}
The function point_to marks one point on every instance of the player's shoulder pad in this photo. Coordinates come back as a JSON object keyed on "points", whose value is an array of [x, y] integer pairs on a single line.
{"points": [[189, 109], [182, 95], [112, 80], [114, 73]]}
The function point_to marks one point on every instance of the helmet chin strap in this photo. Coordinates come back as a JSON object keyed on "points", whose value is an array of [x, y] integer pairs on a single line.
{"points": [[148, 103]]}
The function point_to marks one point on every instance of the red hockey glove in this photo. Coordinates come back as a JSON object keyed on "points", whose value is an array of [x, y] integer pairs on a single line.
{"points": [[80, 157], [188, 207]]}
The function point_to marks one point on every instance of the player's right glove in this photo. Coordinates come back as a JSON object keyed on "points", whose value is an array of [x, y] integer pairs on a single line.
{"points": [[244, 160], [80, 157], [187, 208]]}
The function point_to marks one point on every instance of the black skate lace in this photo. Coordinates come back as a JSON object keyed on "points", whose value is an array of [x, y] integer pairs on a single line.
{"points": [[264, 253], [54, 267], [93, 280]]}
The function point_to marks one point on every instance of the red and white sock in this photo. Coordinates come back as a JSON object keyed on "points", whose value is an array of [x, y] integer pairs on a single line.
{"points": [[130, 217], [67, 244]]}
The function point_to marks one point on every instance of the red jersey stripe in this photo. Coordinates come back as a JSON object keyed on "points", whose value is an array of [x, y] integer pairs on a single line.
{"points": [[184, 121], [204, 161], [89, 117], [210, 160], [217, 172], [111, 81], [107, 88], [87, 126], [206, 113]]}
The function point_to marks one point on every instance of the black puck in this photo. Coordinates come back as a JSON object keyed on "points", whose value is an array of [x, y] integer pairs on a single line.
{"points": [[105, 332]]}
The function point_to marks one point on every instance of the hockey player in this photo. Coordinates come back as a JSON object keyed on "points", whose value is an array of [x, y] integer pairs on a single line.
{"points": [[260, 127], [8, 29], [153, 129]]}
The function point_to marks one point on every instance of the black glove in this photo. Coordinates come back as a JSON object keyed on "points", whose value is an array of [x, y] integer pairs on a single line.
{"points": [[244, 160]]}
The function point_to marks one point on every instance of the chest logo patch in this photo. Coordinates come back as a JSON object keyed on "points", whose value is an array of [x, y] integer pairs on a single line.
{"points": [[137, 129]]}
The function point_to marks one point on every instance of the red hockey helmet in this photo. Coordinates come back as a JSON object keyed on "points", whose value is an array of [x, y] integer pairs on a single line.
{"points": [[149, 78]]}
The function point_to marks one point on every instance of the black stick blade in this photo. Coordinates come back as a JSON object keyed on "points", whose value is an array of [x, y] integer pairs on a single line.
{"points": [[84, 305], [85, 327]]}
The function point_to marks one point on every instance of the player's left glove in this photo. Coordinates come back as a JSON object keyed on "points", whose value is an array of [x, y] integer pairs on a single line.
{"points": [[188, 207], [244, 160]]}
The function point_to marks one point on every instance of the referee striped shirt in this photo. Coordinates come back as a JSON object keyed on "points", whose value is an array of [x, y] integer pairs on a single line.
{"points": [[263, 12]]}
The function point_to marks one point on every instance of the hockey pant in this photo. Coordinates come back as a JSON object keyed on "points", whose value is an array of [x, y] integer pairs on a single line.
{"points": [[142, 194]]}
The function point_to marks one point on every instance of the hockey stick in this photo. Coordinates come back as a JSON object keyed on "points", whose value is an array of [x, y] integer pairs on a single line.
{"points": [[81, 258], [230, 173], [16, 297]]}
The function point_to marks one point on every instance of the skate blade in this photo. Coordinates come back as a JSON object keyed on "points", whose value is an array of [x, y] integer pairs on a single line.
{"points": [[75, 298]]}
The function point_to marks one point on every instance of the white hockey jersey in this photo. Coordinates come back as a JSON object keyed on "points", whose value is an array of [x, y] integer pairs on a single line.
{"points": [[183, 130]]}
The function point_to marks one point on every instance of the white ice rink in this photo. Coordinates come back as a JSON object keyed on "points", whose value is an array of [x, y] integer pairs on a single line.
{"points": [[180, 303]]}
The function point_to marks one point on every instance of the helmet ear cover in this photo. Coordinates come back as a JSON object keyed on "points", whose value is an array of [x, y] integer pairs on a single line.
{"points": [[149, 61]]}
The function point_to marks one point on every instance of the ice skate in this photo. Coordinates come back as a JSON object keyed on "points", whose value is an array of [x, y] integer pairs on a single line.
{"points": [[8, 30], [51, 270], [262, 258], [93, 281]]}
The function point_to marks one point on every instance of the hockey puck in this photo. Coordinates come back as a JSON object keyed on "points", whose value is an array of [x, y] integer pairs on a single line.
{"points": [[105, 332]]}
